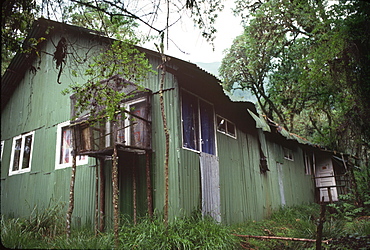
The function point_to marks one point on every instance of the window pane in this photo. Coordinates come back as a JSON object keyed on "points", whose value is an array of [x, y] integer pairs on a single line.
{"points": [[138, 127], [66, 147], [17, 154], [190, 123], [121, 128], [230, 129], [221, 124], [27, 152], [207, 127]]}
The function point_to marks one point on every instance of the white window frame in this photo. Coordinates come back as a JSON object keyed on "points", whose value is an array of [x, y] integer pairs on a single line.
{"points": [[226, 132], [127, 106], [80, 160], [308, 163], [2, 149], [20, 170], [288, 154]]}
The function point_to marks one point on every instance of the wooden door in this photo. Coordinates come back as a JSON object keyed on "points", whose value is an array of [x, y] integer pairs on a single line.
{"points": [[325, 179]]}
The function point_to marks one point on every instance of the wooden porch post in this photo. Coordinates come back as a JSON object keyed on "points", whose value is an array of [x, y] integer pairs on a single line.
{"points": [[102, 195], [96, 197], [329, 194], [115, 187], [134, 188], [71, 193], [148, 185]]}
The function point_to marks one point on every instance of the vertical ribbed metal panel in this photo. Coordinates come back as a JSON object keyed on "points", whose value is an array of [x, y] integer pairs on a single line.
{"points": [[237, 159], [210, 182], [158, 138], [189, 176], [248, 194]]}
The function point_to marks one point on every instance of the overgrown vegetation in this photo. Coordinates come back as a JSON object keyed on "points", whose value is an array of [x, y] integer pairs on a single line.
{"points": [[307, 63], [45, 229], [301, 222]]}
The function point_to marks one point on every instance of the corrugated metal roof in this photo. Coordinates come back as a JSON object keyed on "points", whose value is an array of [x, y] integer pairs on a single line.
{"points": [[265, 124], [45, 28], [23, 61], [260, 122]]}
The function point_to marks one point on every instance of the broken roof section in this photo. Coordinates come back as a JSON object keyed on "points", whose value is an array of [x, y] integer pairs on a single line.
{"points": [[266, 124]]}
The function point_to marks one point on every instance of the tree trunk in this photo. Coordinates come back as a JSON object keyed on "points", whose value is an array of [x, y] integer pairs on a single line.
{"points": [[167, 138], [71, 193], [115, 187], [320, 225], [353, 186]]}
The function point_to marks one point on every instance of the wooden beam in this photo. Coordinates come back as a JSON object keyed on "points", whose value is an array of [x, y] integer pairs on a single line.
{"points": [[279, 238], [115, 190], [96, 197], [102, 195], [71, 195], [134, 189], [148, 185]]}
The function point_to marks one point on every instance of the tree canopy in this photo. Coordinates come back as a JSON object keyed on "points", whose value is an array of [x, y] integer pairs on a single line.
{"points": [[16, 16], [307, 62]]}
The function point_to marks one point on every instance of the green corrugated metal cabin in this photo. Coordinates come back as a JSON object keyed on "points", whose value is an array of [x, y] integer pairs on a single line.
{"points": [[224, 159]]}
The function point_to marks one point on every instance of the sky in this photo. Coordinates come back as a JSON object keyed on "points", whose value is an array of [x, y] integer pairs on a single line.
{"points": [[197, 50]]}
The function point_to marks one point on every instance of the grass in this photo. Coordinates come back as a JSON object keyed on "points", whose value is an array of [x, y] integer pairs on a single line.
{"points": [[194, 232], [45, 230]]}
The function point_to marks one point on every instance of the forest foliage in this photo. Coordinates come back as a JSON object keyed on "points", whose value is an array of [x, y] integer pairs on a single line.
{"points": [[308, 64]]}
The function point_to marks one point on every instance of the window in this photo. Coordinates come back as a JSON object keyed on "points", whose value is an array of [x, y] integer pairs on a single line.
{"points": [[197, 124], [2, 149], [132, 129], [226, 127], [308, 162], [64, 148], [288, 154], [20, 161], [132, 124], [137, 132]]}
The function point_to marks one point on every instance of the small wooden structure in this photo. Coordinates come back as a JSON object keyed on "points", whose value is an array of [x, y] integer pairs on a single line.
{"points": [[331, 178], [96, 138]]}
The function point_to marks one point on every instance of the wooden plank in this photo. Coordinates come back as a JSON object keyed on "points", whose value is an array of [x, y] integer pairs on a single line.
{"points": [[279, 238]]}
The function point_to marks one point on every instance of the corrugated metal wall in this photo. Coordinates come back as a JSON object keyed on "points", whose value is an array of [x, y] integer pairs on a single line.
{"points": [[189, 175], [171, 104], [38, 105], [246, 193]]}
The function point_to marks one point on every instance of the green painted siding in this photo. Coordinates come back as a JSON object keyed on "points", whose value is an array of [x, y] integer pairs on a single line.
{"points": [[246, 194], [239, 174], [158, 139], [189, 175], [38, 105]]}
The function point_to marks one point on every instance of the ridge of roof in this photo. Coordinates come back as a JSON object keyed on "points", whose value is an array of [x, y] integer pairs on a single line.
{"points": [[22, 62]]}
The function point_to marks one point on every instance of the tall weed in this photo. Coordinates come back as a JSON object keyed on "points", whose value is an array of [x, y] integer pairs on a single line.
{"points": [[195, 232], [48, 222], [14, 236]]}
